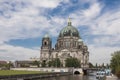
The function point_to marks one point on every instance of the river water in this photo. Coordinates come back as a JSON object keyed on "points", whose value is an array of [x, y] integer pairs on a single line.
{"points": [[71, 77]]}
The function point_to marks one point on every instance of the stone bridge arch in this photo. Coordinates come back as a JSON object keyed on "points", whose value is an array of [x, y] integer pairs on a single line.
{"points": [[78, 71]]}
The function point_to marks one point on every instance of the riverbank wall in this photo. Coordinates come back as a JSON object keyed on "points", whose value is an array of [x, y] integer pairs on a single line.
{"points": [[73, 70], [34, 76], [44, 69]]}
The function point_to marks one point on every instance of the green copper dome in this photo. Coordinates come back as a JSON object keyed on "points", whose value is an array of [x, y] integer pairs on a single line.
{"points": [[69, 30]]}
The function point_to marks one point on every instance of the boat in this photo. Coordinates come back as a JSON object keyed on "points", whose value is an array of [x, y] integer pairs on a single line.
{"points": [[91, 73], [100, 74]]}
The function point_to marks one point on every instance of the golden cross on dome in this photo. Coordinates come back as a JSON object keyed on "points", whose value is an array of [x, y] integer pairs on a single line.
{"points": [[69, 21]]}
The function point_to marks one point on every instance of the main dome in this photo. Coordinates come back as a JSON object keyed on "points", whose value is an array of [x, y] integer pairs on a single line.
{"points": [[69, 30]]}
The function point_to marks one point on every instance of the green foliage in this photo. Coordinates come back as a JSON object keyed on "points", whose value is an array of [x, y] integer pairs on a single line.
{"points": [[50, 64], [36, 63], [6, 65], [115, 62], [56, 62], [96, 65], [3, 65], [103, 66], [90, 65], [107, 66], [118, 72], [72, 62], [43, 64], [15, 72], [25, 65]]}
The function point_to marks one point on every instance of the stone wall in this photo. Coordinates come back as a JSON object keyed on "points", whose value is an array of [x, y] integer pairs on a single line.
{"points": [[51, 69]]}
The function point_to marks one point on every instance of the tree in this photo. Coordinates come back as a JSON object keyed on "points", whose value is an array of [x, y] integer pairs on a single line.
{"points": [[90, 65], [72, 62], [115, 63], [96, 66], [56, 62], [103, 66], [43, 64], [7, 65], [36, 63], [107, 65], [50, 63]]}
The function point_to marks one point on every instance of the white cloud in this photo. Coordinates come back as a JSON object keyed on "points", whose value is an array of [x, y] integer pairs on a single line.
{"points": [[9, 52], [101, 54], [28, 22], [103, 25], [104, 30], [45, 3], [107, 27], [87, 16], [107, 24], [93, 11]]}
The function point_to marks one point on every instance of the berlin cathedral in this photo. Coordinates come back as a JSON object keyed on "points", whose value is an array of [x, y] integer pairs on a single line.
{"points": [[69, 44]]}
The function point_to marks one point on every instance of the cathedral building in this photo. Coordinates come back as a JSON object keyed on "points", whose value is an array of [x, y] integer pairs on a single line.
{"points": [[69, 44]]}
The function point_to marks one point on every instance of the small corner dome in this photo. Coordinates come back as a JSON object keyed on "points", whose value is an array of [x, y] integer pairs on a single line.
{"points": [[85, 47], [46, 36], [80, 40]]}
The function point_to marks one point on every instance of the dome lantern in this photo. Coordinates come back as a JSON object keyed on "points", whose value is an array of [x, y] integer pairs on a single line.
{"points": [[69, 22]]}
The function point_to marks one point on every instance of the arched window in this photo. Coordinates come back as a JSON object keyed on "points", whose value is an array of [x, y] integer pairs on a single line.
{"points": [[45, 43], [79, 46]]}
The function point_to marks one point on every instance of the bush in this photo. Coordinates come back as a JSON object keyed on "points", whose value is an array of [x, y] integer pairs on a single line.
{"points": [[115, 63], [118, 72]]}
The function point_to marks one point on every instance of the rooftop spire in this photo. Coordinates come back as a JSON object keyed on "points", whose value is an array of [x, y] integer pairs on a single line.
{"points": [[69, 21]]}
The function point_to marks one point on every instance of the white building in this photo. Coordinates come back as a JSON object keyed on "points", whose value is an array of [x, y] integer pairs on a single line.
{"points": [[69, 44]]}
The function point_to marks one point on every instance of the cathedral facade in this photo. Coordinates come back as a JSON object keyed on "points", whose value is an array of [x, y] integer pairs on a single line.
{"points": [[69, 44]]}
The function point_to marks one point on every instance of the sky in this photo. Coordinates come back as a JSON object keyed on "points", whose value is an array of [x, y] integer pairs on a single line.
{"points": [[23, 23]]}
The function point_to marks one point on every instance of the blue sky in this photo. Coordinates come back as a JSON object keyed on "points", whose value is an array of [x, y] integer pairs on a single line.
{"points": [[23, 23]]}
